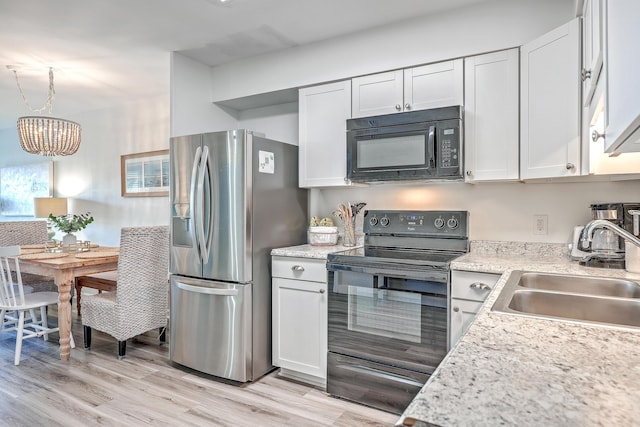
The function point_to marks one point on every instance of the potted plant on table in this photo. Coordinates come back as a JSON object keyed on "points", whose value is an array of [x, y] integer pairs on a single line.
{"points": [[69, 224]]}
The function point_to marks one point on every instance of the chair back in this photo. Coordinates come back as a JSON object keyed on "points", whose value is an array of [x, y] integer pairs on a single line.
{"points": [[143, 268], [22, 232], [11, 293]]}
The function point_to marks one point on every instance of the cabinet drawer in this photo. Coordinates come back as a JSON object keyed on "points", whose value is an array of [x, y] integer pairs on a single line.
{"points": [[314, 270], [470, 285]]}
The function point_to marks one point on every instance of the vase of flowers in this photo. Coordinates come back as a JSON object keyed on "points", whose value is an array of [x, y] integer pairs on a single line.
{"points": [[69, 224]]}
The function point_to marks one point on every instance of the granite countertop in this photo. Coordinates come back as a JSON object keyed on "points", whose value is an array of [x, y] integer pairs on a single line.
{"points": [[514, 370], [309, 251]]}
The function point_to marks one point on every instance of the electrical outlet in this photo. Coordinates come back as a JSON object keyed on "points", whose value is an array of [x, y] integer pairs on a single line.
{"points": [[540, 224]]}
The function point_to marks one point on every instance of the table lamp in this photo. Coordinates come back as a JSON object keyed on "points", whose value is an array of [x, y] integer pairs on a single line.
{"points": [[50, 205]]}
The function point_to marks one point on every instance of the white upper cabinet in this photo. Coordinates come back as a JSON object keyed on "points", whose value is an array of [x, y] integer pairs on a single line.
{"points": [[418, 88], [433, 85], [621, 64], [591, 47], [323, 114], [550, 104], [491, 126]]}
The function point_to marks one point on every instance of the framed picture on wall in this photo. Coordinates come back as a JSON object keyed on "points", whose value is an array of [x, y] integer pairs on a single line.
{"points": [[20, 184], [145, 174]]}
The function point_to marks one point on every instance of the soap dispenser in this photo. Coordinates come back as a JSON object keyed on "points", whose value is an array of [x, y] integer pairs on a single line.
{"points": [[632, 252]]}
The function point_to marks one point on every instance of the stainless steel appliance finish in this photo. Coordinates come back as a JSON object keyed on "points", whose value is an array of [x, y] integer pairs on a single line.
{"points": [[388, 315], [234, 196], [416, 145]]}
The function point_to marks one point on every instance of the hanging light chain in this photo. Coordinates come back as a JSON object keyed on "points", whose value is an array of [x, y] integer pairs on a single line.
{"points": [[48, 105]]}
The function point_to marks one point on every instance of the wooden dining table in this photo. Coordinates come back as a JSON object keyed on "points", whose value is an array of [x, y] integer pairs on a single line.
{"points": [[64, 269]]}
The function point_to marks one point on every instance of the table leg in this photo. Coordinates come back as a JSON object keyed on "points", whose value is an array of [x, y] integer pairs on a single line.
{"points": [[64, 283]]}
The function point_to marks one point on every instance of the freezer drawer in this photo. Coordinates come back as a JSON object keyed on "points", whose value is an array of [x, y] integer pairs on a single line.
{"points": [[211, 327]]}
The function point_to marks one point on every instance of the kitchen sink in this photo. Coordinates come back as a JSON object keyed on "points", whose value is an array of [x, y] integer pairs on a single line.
{"points": [[583, 299], [580, 284]]}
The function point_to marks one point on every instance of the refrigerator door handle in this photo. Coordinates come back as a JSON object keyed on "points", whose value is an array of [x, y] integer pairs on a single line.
{"points": [[206, 290], [206, 178], [203, 248], [195, 217]]}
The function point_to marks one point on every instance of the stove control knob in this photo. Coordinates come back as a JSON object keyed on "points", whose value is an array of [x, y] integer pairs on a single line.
{"points": [[452, 223], [384, 221], [438, 223], [373, 221]]}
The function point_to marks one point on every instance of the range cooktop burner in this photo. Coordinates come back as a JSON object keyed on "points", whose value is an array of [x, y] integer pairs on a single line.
{"points": [[409, 238]]}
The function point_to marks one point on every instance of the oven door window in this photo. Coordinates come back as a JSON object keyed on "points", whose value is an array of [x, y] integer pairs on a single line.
{"points": [[403, 150], [384, 313]]}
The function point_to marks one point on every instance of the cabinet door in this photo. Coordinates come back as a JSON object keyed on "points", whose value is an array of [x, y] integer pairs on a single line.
{"points": [[622, 120], [462, 314], [377, 94], [434, 85], [323, 114], [591, 47], [550, 126], [472, 285], [300, 326], [491, 128]]}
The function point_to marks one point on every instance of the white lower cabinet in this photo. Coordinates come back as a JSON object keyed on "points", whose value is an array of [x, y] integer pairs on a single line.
{"points": [[299, 289], [469, 289]]}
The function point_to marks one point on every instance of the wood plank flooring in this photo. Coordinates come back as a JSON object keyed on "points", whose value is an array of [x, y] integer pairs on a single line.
{"points": [[145, 388]]}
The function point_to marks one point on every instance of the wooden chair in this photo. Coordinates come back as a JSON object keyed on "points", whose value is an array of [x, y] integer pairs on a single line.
{"points": [[107, 281], [140, 301], [14, 300]]}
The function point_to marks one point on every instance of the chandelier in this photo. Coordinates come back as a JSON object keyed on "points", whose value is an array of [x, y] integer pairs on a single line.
{"points": [[47, 136]]}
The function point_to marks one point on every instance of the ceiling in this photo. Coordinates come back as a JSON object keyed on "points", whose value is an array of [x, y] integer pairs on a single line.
{"points": [[105, 53]]}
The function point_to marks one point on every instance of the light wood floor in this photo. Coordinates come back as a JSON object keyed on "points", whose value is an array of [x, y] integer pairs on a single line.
{"points": [[94, 388]]}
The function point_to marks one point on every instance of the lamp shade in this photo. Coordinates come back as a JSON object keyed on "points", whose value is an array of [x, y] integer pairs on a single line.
{"points": [[50, 205]]}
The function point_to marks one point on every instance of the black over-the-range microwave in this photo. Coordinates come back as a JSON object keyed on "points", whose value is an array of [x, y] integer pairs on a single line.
{"points": [[416, 145]]}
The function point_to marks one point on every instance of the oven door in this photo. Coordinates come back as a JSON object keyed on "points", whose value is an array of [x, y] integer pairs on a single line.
{"points": [[389, 317], [387, 333]]}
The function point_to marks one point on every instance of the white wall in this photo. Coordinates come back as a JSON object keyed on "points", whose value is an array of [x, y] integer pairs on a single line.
{"points": [[91, 177], [468, 31], [498, 211], [191, 108]]}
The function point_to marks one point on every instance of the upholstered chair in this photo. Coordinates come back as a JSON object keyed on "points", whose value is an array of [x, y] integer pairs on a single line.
{"points": [[27, 233], [140, 301]]}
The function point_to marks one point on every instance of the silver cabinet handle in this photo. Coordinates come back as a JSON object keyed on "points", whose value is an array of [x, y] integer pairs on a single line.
{"points": [[322, 291], [469, 173], [595, 135], [407, 106], [456, 309], [570, 166], [398, 107], [480, 286], [586, 74], [297, 268]]}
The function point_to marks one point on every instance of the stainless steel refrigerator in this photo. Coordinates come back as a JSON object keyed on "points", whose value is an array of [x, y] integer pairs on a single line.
{"points": [[234, 197]]}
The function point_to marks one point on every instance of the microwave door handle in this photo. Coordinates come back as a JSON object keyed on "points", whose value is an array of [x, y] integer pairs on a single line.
{"points": [[195, 216], [431, 146]]}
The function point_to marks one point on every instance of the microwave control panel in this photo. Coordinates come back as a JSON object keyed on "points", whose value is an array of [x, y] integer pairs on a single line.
{"points": [[449, 148]]}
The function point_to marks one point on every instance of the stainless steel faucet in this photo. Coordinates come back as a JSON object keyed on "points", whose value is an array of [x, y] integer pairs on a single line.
{"points": [[587, 233]]}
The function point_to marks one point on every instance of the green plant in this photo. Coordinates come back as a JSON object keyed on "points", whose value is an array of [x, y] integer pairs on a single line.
{"points": [[71, 223]]}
